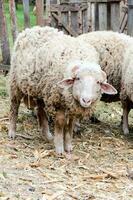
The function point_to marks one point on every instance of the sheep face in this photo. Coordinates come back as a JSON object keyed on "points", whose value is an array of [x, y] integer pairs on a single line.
{"points": [[87, 85]]}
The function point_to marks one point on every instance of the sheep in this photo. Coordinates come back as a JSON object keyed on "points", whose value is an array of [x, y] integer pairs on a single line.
{"points": [[111, 47], [126, 94], [56, 73]]}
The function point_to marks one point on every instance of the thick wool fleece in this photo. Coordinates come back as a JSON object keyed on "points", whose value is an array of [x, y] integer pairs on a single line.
{"points": [[39, 61], [127, 74]]}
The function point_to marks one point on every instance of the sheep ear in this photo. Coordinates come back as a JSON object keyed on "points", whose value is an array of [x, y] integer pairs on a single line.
{"points": [[66, 83], [108, 89]]}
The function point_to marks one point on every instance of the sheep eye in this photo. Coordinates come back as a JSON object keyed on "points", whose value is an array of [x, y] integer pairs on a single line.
{"points": [[98, 82], [77, 78]]}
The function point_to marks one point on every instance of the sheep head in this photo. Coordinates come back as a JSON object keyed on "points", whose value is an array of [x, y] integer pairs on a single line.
{"points": [[88, 82]]}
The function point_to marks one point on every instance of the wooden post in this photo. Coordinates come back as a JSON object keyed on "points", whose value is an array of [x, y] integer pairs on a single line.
{"points": [[102, 16], [107, 14], [47, 13], [115, 16], [40, 12], [26, 13], [96, 16], [53, 20], [85, 18], [130, 18], [74, 18], [4, 36], [13, 19]]}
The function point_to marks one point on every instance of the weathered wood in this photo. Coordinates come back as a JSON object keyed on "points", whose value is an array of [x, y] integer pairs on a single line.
{"points": [[123, 22], [75, 22], [102, 16], [4, 36], [115, 16], [47, 13], [40, 12], [26, 13], [93, 21], [96, 16], [12, 8], [104, 1], [53, 1], [68, 7], [130, 18], [64, 8], [85, 21], [68, 29], [65, 18], [54, 21]]}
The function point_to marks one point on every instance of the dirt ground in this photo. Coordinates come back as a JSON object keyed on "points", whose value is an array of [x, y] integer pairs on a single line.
{"points": [[98, 169]]}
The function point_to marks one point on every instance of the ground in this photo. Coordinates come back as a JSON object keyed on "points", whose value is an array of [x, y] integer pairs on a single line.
{"points": [[98, 169]]}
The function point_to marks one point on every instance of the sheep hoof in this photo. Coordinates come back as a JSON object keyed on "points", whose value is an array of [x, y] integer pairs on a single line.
{"points": [[11, 134], [126, 131], [60, 150], [49, 137], [68, 148]]}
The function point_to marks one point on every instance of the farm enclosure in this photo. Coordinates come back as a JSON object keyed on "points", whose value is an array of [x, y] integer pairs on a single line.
{"points": [[73, 17], [97, 168]]}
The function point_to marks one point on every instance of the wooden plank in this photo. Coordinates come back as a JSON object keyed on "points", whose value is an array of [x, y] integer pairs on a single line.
{"points": [[89, 17], [130, 18], [102, 16], [64, 8], [40, 12], [68, 29], [12, 9], [54, 21], [65, 19], [53, 1], [85, 21], [96, 16], [4, 36], [115, 16], [109, 16], [75, 22], [26, 13], [47, 17], [124, 24], [93, 16], [103, 1]]}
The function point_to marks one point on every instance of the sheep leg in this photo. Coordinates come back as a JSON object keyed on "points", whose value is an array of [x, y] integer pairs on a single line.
{"points": [[68, 135], [43, 121], [59, 128], [15, 103], [126, 110]]}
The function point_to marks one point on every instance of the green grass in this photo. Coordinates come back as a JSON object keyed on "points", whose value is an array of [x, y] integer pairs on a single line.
{"points": [[3, 89], [20, 19]]}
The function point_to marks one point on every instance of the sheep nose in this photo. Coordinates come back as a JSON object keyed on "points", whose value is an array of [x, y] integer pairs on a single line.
{"points": [[86, 100]]}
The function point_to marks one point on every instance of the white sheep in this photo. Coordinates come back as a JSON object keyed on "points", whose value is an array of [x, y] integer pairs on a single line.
{"points": [[126, 94], [111, 47], [57, 73]]}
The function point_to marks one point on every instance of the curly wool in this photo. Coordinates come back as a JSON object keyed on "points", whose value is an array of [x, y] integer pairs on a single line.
{"points": [[39, 61], [127, 74]]}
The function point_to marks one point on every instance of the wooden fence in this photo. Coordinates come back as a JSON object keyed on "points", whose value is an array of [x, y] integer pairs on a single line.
{"points": [[74, 17]]}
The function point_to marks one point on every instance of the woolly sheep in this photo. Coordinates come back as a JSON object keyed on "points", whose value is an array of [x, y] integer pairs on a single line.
{"points": [[126, 94], [111, 47], [56, 73]]}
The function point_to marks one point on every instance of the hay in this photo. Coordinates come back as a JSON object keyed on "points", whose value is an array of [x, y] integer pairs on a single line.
{"points": [[96, 170]]}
